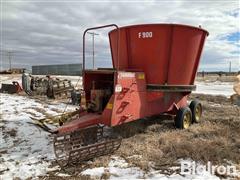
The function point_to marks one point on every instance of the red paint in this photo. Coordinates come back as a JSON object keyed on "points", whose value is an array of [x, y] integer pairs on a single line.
{"points": [[169, 54], [18, 87], [81, 122]]}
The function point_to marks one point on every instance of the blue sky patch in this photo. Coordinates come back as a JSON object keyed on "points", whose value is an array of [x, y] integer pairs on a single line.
{"points": [[235, 12], [234, 37]]}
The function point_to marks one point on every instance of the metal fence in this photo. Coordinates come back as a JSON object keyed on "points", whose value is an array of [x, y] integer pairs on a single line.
{"points": [[60, 69]]}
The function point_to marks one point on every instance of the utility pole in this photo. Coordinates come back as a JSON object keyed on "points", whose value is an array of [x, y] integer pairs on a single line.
{"points": [[9, 55], [230, 66], [93, 53], [10, 59]]}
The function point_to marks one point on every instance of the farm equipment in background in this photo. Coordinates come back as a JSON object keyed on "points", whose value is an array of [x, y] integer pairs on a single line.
{"points": [[76, 97], [154, 68], [57, 88], [47, 86], [13, 71], [11, 88]]}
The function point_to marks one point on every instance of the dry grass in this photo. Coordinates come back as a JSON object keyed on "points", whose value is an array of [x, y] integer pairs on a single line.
{"points": [[215, 139], [42, 111], [55, 177], [32, 114], [155, 143], [57, 110], [12, 132]]}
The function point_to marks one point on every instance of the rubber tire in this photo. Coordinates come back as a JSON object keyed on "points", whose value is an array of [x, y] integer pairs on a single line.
{"points": [[193, 106], [180, 116]]}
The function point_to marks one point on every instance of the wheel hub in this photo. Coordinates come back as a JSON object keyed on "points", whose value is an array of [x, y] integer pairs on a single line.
{"points": [[186, 120], [198, 113]]}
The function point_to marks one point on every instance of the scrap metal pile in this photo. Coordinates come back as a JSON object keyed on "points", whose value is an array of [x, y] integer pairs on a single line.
{"points": [[46, 86], [11, 88]]}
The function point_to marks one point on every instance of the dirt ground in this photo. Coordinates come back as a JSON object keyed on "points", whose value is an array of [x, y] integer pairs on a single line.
{"points": [[155, 143]]}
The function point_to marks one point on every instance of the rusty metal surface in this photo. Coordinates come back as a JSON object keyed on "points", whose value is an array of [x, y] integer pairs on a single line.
{"points": [[11, 88], [82, 145]]}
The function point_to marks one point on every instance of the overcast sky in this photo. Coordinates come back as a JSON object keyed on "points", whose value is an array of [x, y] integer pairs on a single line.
{"points": [[50, 32]]}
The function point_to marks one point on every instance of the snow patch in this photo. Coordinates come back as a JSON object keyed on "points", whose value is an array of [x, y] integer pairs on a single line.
{"points": [[118, 168], [26, 151], [98, 171], [215, 88]]}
